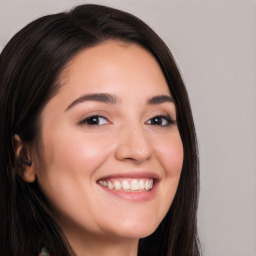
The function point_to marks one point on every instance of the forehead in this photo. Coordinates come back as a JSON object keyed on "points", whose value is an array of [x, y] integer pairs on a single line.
{"points": [[114, 65]]}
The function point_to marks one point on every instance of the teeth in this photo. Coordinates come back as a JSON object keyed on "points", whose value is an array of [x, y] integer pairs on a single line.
{"points": [[110, 185], [134, 185], [117, 185], [147, 185], [150, 184], [141, 184], [128, 185]]}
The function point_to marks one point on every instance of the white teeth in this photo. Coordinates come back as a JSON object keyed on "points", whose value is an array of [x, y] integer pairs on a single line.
{"points": [[134, 185], [150, 184], [103, 183], [128, 185], [141, 184], [110, 185], [117, 185], [147, 185]]}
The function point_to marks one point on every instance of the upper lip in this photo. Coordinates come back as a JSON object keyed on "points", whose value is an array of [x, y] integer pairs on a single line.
{"points": [[132, 174]]}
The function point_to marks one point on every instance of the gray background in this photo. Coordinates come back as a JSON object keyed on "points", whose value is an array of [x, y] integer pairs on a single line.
{"points": [[214, 43]]}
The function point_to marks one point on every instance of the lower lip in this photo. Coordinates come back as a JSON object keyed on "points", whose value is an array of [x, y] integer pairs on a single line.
{"points": [[133, 196]]}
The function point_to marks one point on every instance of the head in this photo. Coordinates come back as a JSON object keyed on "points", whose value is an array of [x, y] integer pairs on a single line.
{"points": [[33, 66]]}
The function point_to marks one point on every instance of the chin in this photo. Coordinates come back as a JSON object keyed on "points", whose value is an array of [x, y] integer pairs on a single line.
{"points": [[136, 230]]}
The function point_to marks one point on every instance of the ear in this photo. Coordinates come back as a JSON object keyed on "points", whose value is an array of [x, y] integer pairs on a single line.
{"points": [[23, 160]]}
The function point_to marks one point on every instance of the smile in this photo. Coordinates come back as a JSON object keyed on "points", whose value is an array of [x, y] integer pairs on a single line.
{"points": [[128, 184]]}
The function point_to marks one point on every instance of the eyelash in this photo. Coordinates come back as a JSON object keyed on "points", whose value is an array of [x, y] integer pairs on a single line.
{"points": [[167, 118], [95, 121], [89, 119]]}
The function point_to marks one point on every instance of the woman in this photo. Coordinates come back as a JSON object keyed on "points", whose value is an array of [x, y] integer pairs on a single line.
{"points": [[98, 147]]}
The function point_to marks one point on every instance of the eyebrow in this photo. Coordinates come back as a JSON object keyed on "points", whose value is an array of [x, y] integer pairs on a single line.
{"points": [[112, 99], [160, 99], [99, 97]]}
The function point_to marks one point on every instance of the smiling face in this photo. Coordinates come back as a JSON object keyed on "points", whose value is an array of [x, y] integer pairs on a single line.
{"points": [[111, 153]]}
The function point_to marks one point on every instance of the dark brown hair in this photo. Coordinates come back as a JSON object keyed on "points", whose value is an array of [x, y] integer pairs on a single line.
{"points": [[30, 66]]}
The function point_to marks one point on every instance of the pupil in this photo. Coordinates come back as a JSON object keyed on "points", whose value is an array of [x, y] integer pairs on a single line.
{"points": [[94, 120], [157, 121]]}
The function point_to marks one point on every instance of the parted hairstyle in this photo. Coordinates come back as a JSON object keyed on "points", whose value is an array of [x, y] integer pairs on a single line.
{"points": [[30, 67]]}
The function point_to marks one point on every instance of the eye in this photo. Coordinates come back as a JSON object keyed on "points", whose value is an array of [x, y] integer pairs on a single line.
{"points": [[94, 120], [161, 120]]}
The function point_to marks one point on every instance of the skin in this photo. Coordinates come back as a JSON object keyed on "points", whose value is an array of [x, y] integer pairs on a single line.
{"points": [[75, 155]]}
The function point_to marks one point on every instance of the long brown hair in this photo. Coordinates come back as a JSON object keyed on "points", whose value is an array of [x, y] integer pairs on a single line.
{"points": [[30, 66]]}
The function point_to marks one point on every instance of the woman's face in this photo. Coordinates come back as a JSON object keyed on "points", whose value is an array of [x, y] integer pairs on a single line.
{"points": [[111, 153]]}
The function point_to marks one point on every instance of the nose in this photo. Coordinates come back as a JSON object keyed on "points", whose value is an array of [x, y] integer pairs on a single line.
{"points": [[134, 144]]}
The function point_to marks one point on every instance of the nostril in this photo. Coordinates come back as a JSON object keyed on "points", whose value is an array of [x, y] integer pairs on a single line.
{"points": [[132, 154], [135, 147]]}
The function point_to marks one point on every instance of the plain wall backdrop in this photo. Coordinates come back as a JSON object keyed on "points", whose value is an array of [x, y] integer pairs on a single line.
{"points": [[214, 44]]}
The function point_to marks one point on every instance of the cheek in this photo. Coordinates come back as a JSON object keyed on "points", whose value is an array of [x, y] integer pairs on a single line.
{"points": [[170, 153], [68, 164], [72, 153], [66, 171]]}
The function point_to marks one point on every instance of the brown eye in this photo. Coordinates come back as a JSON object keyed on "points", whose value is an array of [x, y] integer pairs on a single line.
{"points": [[161, 120], [94, 120]]}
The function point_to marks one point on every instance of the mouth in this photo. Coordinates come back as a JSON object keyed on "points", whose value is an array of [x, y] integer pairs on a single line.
{"points": [[128, 184], [138, 186]]}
